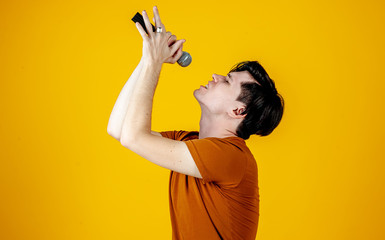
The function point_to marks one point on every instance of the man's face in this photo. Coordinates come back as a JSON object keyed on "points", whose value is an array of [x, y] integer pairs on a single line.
{"points": [[219, 95]]}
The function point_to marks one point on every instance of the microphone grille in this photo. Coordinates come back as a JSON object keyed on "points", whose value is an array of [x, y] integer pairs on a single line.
{"points": [[185, 59]]}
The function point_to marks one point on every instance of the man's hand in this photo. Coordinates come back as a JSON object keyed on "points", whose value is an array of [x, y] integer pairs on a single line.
{"points": [[177, 54], [156, 47]]}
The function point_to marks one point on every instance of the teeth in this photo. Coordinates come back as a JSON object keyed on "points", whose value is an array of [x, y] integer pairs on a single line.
{"points": [[207, 86]]}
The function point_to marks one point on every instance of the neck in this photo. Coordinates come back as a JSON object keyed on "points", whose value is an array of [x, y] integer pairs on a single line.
{"points": [[216, 126]]}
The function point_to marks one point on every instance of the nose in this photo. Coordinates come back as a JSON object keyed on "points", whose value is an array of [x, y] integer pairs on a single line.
{"points": [[216, 77]]}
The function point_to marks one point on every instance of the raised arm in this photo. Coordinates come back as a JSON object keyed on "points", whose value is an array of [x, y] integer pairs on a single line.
{"points": [[119, 111], [136, 133], [115, 123]]}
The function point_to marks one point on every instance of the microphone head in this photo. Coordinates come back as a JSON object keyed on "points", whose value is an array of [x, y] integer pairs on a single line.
{"points": [[185, 59]]}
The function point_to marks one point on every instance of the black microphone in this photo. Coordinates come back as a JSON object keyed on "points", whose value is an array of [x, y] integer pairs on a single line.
{"points": [[183, 61]]}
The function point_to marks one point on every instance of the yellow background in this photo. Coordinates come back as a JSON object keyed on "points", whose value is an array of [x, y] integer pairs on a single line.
{"points": [[63, 64]]}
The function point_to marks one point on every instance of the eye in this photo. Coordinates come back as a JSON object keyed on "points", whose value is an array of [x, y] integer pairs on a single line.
{"points": [[227, 78]]}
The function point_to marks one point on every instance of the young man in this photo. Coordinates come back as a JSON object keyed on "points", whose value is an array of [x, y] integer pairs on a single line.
{"points": [[214, 190]]}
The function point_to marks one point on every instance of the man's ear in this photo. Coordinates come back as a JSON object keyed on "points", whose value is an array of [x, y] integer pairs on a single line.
{"points": [[237, 112]]}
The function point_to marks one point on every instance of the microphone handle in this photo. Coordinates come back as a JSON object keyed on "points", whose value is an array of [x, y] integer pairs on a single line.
{"points": [[183, 61]]}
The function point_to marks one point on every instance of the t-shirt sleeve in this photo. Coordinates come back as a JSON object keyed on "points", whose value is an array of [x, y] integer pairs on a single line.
{"points": [[168, 134], [218, 160], [180, 135]]}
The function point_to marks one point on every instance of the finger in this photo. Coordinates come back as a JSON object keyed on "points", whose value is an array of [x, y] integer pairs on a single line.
{"points": [[171, 40], [158, 22], [169, 35], [141, 30], [178, 54], [177, 45], [147, 23]]}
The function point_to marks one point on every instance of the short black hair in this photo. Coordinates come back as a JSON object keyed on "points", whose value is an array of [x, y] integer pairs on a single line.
{"points": [[264, 105]]}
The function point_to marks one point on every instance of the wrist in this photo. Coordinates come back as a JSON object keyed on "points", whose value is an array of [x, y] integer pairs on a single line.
{"points": [[152, 63]]}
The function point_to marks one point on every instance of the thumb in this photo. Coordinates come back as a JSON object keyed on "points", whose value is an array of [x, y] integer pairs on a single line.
{"points": [[177, 45]]}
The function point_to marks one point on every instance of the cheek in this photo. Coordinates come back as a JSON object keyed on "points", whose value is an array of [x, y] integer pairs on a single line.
{"points": [[223, 95], [219, 101], [217, 97]]}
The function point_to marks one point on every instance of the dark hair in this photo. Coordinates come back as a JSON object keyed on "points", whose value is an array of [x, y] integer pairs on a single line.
{"points": [[264, 105]]}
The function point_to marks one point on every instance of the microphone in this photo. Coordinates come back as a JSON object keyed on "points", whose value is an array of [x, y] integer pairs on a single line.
{"points": [[183, 61]]}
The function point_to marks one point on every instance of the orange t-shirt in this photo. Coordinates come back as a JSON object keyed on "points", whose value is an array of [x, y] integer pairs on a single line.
{"points": [[224, 204]]}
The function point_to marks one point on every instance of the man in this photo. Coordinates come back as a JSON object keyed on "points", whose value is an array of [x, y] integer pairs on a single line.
{"points": [[214, 177]]}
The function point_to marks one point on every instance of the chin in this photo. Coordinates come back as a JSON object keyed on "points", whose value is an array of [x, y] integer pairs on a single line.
{"points": [[196, 94], [199, 99]]}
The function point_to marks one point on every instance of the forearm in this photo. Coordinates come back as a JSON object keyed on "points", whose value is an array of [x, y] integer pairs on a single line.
{"points": [[118, 113], [139, 112]]}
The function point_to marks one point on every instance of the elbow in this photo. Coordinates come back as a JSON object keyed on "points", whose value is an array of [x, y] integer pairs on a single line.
{"points": [[129, 136], [126, 142], [130, 140], [114, 133], [125, 139]]}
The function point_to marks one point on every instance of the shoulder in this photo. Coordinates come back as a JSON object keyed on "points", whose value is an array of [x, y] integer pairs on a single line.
{"points": [[222, 160], [230, 142]]}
